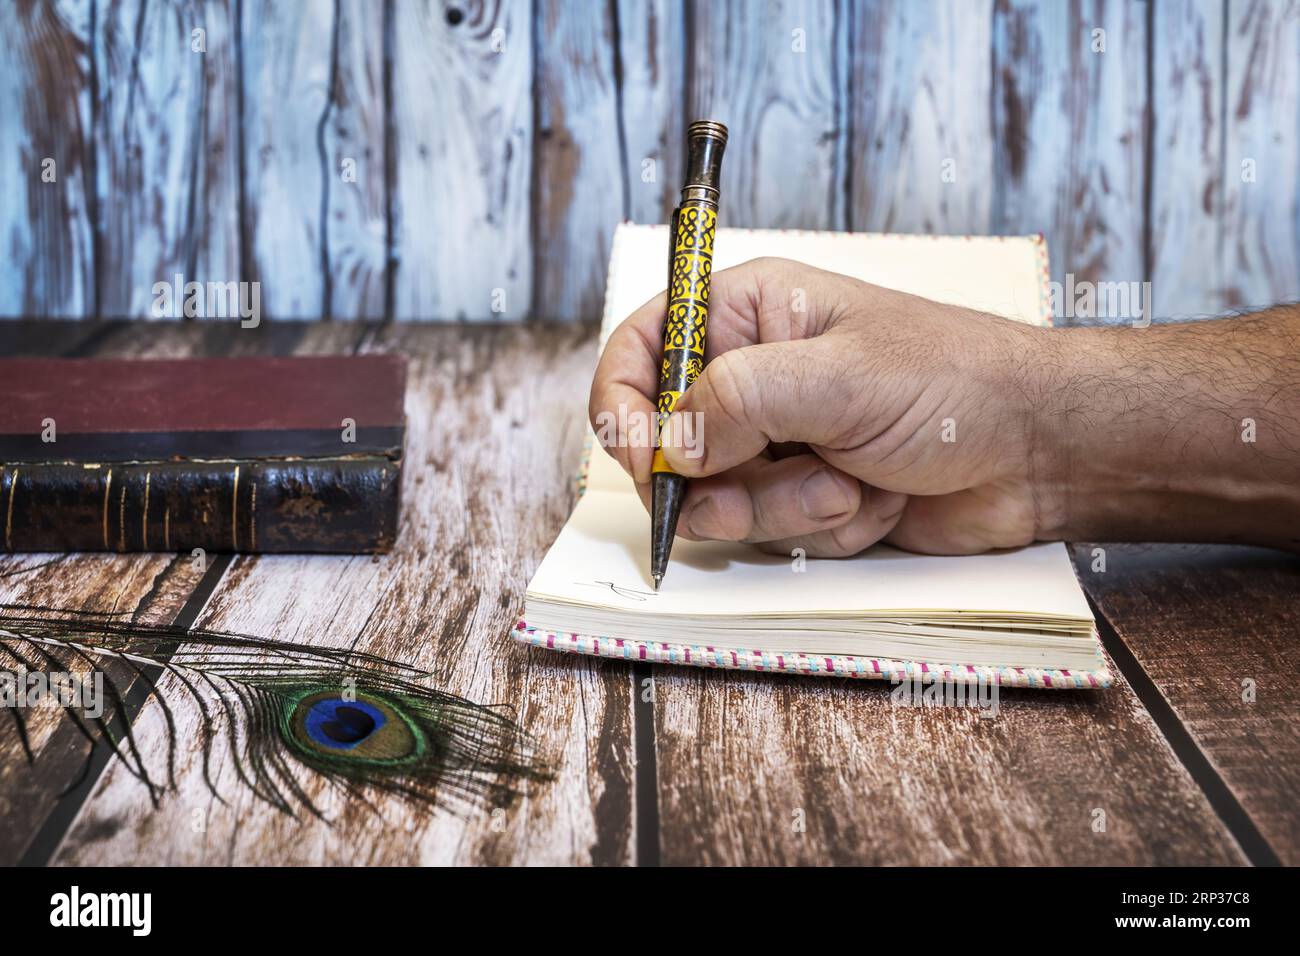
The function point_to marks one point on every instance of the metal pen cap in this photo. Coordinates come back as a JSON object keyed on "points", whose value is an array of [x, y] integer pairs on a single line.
{"points": [[705, 143]]}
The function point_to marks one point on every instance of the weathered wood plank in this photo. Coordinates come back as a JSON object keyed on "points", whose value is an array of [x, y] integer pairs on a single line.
{"points": [[652, 44], [922, 151], [580, 173], [494, 433], [772, 770], [149, 588], [315, 191], [1070, 126], [287, 70], [1262, 153], [356, 219], [1187, 184], [462, 122], [168, 149], [1215, 629], [776, 75], [46, 151]]}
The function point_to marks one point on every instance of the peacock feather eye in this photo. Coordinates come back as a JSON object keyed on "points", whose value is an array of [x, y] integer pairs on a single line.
{"points": [[360, 726], [390, 733]]}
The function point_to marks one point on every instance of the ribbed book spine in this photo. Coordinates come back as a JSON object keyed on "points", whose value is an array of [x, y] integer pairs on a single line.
{"points": [[321, 505]]}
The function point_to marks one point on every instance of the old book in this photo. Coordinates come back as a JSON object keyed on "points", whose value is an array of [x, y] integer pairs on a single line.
{"points": [[1015, 617], [252, 454]]}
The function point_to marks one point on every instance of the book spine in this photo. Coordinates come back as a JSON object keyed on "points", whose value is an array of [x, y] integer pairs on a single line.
{"points": [[335, 505]]}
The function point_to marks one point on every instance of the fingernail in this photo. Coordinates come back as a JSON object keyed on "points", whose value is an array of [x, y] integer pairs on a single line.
{"points": [[699, 520], [667, 435], [887, 504], [823, 496]]}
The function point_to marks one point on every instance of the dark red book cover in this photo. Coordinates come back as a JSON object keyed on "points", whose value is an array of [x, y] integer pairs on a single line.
{"points": [[232, 454]]}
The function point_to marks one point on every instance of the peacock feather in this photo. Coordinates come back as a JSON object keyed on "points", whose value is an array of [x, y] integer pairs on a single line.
{"points": [[367, 724]]}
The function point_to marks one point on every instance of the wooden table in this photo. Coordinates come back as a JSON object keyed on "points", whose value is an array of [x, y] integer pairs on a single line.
{"points": [[658, 764]]}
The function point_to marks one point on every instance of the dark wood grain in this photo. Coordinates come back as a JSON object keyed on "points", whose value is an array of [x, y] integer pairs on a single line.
{"points": [[746, 760], [148, 588], [51, 338], [1217, 630]]}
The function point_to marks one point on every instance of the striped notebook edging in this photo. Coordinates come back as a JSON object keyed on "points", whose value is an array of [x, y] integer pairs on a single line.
{"points": [[867, 668]]}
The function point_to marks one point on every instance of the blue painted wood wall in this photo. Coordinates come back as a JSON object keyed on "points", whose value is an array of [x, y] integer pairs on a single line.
{"points": [[443, 159]]}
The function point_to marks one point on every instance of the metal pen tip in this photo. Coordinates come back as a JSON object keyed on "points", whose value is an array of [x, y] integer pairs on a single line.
{"points": [[658, 578]]}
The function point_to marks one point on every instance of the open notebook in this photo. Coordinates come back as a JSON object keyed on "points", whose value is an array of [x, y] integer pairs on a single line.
{"points": [[1013, 617]]}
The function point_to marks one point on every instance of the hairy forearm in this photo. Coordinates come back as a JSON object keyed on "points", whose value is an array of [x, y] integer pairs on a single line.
{"points": [[1187, 432]]}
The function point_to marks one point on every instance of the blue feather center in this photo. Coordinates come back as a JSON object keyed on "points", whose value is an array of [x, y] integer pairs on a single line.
{"points": [[343, 724]]}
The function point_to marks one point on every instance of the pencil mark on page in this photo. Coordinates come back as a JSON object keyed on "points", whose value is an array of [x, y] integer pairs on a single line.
{"points": [[632, 594]]}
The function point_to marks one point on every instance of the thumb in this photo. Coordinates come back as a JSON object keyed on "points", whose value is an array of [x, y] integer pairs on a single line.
{"points": [[748, 397]]}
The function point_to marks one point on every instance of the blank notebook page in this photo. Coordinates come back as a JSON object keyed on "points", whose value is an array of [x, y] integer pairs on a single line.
{"points": [[606, 542]]}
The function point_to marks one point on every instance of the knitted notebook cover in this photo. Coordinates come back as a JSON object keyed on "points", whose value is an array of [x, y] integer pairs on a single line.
{"points": [[1026, 299]]}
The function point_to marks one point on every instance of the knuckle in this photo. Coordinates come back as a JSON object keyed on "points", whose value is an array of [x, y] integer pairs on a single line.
{"points": [[727, 381], [770, 522], [768, 263], [846, 540]]}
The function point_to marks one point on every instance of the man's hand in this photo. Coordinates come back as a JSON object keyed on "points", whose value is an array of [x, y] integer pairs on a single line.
{"points": [[836, 414]]}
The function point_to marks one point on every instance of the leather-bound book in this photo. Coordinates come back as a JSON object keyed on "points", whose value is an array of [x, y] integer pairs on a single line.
{"points": [[249, 454]]}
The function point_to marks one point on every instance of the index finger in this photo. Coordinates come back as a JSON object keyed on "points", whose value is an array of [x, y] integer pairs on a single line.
{"points": [[625, 387]]}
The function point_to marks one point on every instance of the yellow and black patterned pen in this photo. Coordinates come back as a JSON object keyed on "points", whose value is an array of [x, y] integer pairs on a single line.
{"points": [[690, 267]]}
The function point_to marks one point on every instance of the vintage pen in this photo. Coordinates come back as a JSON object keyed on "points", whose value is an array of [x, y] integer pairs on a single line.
{"points": [[690, 267]]}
